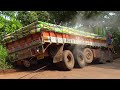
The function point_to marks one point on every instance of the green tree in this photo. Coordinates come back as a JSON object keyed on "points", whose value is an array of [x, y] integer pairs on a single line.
{"points": [[63, 16], [43, 16], [8, 22], [26, 17]]}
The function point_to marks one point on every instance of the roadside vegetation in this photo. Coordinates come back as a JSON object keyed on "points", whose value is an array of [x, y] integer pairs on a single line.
{"points": [[4, 62]]}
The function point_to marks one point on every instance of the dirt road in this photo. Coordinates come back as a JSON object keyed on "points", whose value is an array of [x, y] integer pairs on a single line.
{"points": [[94, 71]]}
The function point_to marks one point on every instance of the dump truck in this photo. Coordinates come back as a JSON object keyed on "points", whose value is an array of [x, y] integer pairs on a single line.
{"points": [[68, 47]]}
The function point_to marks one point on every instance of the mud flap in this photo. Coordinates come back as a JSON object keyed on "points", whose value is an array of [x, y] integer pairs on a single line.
{"points": [[59, 54]]}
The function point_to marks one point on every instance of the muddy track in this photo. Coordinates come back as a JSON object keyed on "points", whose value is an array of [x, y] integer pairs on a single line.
{"points": [[92, 71], [41, 69]]}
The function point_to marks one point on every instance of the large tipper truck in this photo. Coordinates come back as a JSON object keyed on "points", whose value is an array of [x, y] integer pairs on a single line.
{"points": [[68, 47]]}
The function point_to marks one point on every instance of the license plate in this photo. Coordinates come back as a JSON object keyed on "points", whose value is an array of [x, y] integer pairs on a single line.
{"points": [[41, 56]]}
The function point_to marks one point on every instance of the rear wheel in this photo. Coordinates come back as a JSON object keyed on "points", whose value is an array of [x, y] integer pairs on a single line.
{"points": [[102, 58], [79, 59], [68, 61], [26, 63], [88, 55]]}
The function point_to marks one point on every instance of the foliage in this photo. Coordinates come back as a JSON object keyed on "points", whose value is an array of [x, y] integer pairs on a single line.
{"points": [[8, 22], [43, 16], [63, 16], [3, 59], [26, 17]]}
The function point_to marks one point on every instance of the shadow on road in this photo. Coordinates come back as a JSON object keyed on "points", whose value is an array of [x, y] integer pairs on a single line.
{"points": [[109, 65], [53, 67], [40, 64]]}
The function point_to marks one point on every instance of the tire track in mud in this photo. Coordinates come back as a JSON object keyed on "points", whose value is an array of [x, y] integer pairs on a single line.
{"points": [[37, 71]]}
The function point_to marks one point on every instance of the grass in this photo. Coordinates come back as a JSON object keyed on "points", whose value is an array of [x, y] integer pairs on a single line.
{"points": [[4, 63]]}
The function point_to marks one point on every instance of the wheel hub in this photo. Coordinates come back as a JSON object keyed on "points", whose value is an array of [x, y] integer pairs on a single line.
{"points": [[88, 55]]}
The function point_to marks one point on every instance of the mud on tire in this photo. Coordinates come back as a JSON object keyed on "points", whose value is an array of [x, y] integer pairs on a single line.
{"points": [[102, 59], [68, 61], [88, 55], [79, 59]]}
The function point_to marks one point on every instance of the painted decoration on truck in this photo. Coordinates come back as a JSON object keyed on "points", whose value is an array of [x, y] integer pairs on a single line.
{"points": [[53, 37], [37, 26]]}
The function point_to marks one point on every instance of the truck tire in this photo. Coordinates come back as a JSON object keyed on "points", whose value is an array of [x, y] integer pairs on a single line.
{"points": [[26, 63], [88, 55], [68, 62], [102, 59], [79, 59]]}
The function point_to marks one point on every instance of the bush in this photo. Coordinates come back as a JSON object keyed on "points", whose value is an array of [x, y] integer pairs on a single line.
{"points": [[3, 59]]}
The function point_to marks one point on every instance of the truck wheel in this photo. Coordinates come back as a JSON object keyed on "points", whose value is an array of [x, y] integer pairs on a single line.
{"points": [[102, 58], [79, 59], [68, 61], [88, 55], [26, 63]]}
